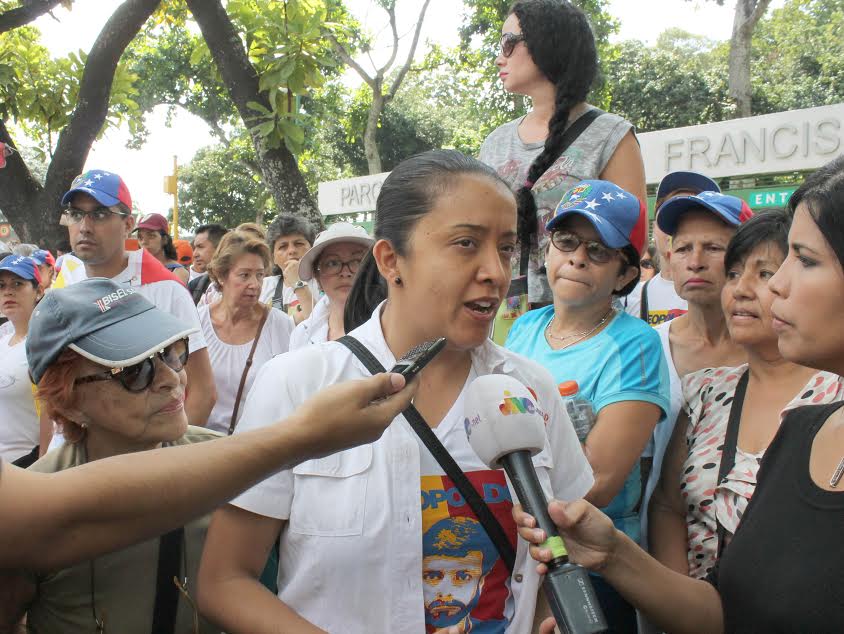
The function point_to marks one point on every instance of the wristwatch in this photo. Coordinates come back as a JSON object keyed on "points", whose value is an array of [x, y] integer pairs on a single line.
{"points": [[298, 285]]}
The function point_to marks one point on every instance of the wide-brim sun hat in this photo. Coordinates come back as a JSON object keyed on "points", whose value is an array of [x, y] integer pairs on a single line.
{"points": [[729, 209], [108, 324], [338, 232]]}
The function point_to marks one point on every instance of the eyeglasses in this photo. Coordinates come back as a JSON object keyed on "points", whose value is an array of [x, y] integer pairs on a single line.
{"points": [[568, 242], [73, 216], [138, 377], [335, 266], [508, 42]]}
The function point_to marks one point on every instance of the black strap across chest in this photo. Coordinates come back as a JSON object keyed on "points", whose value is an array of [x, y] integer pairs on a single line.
{"points": [[484, 514], [728, 453]]}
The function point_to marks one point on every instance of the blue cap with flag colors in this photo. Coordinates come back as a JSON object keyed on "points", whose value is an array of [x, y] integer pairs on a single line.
{"points": [[105, 187], [615, 213], [731, 209], [21, 265]]}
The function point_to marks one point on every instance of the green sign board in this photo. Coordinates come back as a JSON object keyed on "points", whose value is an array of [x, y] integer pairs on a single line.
{"points": [[757, 198]]}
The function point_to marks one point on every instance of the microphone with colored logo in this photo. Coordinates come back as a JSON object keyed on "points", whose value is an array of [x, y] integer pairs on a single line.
{"points": [[506, 428]]}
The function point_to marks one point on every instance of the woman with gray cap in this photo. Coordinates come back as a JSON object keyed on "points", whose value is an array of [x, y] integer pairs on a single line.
{"points": [[333, 262], [109, 366]]}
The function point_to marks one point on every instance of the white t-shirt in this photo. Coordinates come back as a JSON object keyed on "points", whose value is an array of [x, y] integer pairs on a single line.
{"points": [[144, 274], [664, 304], [18, 414], [314, 329], [351, 551], [289, 301], [662, 433], [228, 362]]}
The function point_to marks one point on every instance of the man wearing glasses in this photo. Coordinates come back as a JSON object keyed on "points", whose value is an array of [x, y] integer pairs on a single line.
{"points": [[98, 215]]}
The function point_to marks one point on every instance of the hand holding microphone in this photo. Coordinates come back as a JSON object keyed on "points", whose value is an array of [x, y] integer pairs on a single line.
{"points": [[505, 429]]}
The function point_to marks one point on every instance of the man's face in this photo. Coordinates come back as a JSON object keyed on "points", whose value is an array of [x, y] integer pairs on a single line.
{"points": [[96, 242], [203, 251], [452, 586]]}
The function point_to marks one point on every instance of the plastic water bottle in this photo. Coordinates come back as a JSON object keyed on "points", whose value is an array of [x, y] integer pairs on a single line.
{"points": [[578, 408]]}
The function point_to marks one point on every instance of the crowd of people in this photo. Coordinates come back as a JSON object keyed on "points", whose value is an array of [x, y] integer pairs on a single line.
{"points": [[199, 446]]}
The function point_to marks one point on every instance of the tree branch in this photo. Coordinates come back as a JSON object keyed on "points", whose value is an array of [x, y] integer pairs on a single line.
{"points": [[391, 11], [349, 61], [26, 13], [403, 70], [87, 119], [759, 8]]}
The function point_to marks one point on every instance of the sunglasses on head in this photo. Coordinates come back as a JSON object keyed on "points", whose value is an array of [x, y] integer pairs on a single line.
{"points": [[568, 242], [138, 377], [508, 42]]}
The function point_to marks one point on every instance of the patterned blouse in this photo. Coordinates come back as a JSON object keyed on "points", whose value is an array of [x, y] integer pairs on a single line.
{"points": [[708, 395]]}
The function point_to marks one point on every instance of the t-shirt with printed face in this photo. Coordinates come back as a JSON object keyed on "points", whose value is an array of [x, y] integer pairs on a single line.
{"points": [[465, 582]]}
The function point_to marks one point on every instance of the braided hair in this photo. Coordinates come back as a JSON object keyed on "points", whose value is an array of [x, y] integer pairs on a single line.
{"points": [[561, 44]]}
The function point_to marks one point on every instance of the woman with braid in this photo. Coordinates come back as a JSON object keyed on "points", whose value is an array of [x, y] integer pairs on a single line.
{"points": [[548, 54]]}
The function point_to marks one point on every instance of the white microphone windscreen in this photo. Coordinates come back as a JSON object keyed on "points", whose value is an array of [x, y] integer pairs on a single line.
{"points": [[502, 416]]}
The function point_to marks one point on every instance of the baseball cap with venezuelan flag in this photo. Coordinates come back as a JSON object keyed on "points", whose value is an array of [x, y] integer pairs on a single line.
{"points": [[106, 188]]}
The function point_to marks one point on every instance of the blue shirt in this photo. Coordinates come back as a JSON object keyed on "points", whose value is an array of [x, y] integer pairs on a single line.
{"points": [[623, 362]]}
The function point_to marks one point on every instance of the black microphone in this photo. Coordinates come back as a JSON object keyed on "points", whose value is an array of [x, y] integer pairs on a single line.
{"points": [[505, 429]]}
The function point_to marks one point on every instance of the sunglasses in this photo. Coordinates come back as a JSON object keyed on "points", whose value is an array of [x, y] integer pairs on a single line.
{"points": [[508, 42], [568, 242], [73, 216], [138, 377]]}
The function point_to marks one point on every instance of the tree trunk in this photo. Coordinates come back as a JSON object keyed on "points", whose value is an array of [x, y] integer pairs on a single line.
{"points": [[747, 16], [279, 168], [370, 135], [34, 210]]}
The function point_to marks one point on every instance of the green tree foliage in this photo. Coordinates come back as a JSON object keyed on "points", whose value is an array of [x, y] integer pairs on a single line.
{"points": [[219, 185], [680, 81], [799, 56]]}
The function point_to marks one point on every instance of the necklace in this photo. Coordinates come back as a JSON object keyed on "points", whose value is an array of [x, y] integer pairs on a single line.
{"points": [[580, 336], [837, 474]]}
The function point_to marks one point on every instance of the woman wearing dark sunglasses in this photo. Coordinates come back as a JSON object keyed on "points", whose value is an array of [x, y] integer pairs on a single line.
{"points": [[615, 359], [110, 370], [548, 54]]}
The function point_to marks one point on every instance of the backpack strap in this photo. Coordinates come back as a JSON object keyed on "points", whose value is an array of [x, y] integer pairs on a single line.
{"points": [[485, 516], [166, 605]]}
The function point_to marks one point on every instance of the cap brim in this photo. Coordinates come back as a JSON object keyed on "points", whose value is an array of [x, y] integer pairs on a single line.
{"points": [[306, 264], [24, 275], [132, 340], [670, 213], [100, 197], [610, 236], [687, 181]]}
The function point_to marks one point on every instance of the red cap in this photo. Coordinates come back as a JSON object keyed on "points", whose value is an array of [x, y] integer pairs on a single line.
{"points": [[156, 222]]}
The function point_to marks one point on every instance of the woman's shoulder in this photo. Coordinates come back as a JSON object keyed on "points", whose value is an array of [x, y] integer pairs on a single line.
{"points": [[703, 385], [626, 329]]}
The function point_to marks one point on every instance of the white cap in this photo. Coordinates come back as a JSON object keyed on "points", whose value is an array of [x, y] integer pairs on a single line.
{"points": [[338, 232]]}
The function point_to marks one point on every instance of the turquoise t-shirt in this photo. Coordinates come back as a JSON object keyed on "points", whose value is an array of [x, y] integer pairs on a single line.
{"points": [[624, 362]]}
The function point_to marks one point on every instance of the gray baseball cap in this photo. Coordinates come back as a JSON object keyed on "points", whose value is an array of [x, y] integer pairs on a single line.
{"points": [[102, 321]]}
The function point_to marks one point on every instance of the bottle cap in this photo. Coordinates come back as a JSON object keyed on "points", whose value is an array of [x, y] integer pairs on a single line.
{"points": [[568, 388]]}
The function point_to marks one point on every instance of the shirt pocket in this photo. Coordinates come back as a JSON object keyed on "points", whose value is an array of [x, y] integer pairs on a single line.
{"points": [[330, 494]]}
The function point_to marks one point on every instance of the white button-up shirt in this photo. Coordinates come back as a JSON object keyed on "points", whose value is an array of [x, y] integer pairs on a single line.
{"points": [[351, 553]]}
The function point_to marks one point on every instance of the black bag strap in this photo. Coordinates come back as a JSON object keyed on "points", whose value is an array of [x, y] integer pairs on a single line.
{"points": [[643, 305], [278, 295], [200, 285], [246, 367], [166, 591], [569, 136], [484, 514], [728, 453]]}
